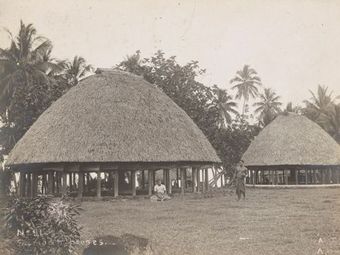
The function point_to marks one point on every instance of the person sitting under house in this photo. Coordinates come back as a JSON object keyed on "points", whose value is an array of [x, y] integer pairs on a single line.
{"points": [[160, 192]]}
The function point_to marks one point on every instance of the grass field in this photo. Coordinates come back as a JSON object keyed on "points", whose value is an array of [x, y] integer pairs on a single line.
{"points": [[280, 221]]}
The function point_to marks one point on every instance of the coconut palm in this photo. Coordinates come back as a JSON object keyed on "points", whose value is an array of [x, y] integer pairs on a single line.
{"points": [[333, 122], [225, 106], [76, 69], [132, 63], [320, 104], [322, 109], [246, 82], [23, 62], [268, 106]]}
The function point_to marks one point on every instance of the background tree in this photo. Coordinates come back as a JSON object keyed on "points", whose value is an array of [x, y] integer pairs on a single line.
{"points": [[205, 105], [295, 109], [319, 105], [333, 122], [132, 64], [23, 83], [268, 106], [323, 109], [225, 106], [30, 80], [75, 70], [246, 83]]}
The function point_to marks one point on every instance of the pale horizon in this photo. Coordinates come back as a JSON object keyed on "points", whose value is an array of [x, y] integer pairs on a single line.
{"points": [[292, 45]]}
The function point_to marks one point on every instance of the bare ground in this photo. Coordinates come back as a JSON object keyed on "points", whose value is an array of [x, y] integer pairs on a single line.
{"points": [[269, 221]]}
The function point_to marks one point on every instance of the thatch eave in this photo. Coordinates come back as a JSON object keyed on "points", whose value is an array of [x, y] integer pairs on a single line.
{"points": [[291, 167], [106, 166]]}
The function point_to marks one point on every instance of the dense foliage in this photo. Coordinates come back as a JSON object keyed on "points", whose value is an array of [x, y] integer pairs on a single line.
{"points": [[42, 226], [211, 108], [30, 80]]}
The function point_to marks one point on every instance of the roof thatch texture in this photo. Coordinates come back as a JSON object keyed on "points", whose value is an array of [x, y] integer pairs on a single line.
{"points": [[292, 139], [113, 117]]}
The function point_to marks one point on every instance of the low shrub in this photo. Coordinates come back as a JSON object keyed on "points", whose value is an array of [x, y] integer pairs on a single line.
{"points": [[42, 225]]}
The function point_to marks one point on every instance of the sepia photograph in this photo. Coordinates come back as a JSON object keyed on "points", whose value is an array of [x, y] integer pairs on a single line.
{"points": [[157, 127]]}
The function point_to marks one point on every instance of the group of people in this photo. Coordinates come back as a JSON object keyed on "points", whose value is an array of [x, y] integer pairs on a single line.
{"points": [[160, 193]]}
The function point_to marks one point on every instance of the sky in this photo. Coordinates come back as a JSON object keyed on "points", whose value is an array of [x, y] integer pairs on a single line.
{"points": [[293, 45]]}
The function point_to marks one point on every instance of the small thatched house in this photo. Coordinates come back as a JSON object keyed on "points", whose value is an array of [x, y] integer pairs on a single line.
{"points": [[293, 150], [114, 123]]}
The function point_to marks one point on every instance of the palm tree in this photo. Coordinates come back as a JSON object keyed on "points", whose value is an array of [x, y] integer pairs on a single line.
{"points": [[224, 105], [322, 109], [76, 70], [268, 106], [333, 122], [23, 63], [132, 63], [319, 105], [246, 82]]}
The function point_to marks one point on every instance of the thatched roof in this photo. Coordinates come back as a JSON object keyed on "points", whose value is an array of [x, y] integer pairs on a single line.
{"points": [[113, 116], [292, 140]]}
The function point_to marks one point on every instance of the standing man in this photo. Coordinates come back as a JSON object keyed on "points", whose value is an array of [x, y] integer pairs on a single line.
{"points": [[239, 176]]}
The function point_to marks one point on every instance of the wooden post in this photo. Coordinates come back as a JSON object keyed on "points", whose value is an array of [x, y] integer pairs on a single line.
{"points": [[29, 184], [323, 176], [153, 178], [59, 182], [50, 182], [296, 176], [177, 178], [169, 181], [198, 175], [286, 178], [143, 180], [306, 176], [99, 184], [74, 180], [203, 181], [44, 184], [133, 182], [164, 178], [70, 181], [185, 178], [115, 183], [182, 181], [80, 184], [64, 183], [193, 179], [150, 178], [87, 178], [21, 188], [24, 188], [207, 179], [34, 184]]}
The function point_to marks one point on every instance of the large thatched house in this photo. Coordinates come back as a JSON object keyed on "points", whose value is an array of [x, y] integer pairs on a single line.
{"points": [[293, 150], [114, 123]]}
